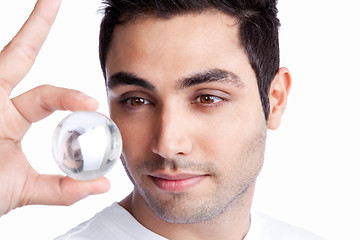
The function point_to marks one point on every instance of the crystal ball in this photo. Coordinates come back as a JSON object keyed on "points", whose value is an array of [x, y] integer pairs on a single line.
{"points": [[86, 145]]}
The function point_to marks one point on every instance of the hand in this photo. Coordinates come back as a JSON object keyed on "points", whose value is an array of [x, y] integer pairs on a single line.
{"points": [[20, 184]]}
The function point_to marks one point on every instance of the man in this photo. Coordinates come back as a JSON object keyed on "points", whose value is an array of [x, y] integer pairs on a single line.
{"points": [[193, 87]]}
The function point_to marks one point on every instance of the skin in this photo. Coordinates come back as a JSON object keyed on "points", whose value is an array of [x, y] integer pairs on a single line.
{"points": [[206, 139], [20, 183], [169, 136]]}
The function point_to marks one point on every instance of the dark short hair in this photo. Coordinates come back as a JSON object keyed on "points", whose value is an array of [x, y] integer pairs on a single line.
{"points": [[258, 29]]}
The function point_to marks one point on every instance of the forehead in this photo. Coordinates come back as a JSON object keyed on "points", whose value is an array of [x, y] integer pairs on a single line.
{"points": [[153, 47]]}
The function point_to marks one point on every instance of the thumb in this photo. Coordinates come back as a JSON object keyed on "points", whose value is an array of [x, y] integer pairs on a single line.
{"points": [[59, 190]]}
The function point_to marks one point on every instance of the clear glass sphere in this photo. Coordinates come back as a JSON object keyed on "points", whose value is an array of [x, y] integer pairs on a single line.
{"points": [[86, 145]]}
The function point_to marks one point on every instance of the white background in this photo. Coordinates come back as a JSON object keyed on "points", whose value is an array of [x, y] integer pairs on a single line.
{"points": [[311, 174]]}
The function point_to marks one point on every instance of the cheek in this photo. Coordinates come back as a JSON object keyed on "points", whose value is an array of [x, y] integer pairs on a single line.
{"points": [[239, 154], [235, 138], [136, 138], [136, 143], [218, 141]]}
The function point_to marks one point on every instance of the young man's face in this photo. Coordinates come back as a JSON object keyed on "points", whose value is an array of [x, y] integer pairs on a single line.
{"points": [[186, 101]]}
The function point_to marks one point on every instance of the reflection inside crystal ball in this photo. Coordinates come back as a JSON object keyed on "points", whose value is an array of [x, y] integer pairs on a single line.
{"points": [[86, 145]]}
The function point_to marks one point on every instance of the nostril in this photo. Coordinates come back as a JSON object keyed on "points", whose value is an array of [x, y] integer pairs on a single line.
{"points": [[171, 136], [170, 149]]}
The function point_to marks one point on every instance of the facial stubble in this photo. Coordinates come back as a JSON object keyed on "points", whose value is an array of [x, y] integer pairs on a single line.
{"points": [[229, 193]]}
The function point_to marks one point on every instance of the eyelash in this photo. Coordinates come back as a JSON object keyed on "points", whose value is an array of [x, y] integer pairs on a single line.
{"points": [[132, 101], [214, 99]]}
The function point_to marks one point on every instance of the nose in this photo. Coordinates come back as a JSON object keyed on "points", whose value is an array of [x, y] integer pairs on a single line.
{"points": [[172, 134]]}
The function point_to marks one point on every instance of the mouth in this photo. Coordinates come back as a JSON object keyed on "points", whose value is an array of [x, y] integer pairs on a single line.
{"points": [[178, 182]]}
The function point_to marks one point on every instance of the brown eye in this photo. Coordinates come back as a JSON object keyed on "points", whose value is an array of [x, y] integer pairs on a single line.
{"points": [[209, 99], [206, 99], [135, 102]]}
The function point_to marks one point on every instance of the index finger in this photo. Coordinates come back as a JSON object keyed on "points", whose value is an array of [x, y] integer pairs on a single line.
{"points": [[19, 55]]}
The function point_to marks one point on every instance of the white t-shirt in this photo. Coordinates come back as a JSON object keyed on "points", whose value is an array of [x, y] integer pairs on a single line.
{"points": [[114, 222]]}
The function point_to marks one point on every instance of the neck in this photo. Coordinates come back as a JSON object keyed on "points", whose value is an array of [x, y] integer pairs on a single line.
{"points": [[233, 223]]}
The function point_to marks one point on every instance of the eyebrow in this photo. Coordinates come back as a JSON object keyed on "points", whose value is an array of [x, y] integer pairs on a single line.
{"points": [[208, 76], [125, 78], [212, 75]]}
